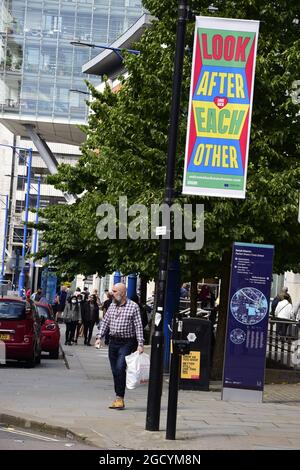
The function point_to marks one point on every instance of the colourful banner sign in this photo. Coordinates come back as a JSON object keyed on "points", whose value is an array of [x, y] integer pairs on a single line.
{"points": [[220, 107]]}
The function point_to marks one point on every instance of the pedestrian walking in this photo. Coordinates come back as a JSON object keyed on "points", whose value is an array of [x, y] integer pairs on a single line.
{"points": [[105, 307], [123, 321], [284, 311], [296, 311], [71, 316], [90, 316], [85, 292], [79, 326], [36, 296], [61, 302], [143, 313], [280, 296]]}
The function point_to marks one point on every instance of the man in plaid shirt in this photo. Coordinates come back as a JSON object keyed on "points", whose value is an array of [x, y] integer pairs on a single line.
{"points": [[123, 322]]}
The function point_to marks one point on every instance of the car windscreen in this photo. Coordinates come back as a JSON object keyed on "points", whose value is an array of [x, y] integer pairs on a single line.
{"points": [[12, 310], [43, 312]]}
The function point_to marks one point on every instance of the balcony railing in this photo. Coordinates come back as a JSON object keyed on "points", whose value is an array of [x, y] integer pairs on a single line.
{"points": [[10, 105]]}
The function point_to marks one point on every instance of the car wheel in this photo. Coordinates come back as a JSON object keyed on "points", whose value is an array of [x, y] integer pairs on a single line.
{"points": [[54, 354], [38, 358]]}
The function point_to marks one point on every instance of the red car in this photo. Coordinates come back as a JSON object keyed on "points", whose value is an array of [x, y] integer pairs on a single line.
{"points": [[20, 328], [50, 334]]}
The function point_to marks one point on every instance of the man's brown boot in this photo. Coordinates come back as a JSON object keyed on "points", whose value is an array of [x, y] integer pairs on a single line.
{"points": [[118, 404]]}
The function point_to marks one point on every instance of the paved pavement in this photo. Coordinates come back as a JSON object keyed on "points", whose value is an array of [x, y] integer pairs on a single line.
{"points": [[74, 401]]}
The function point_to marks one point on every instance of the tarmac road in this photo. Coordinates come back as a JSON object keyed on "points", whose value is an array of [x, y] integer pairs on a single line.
{"points": [[12, 438]]}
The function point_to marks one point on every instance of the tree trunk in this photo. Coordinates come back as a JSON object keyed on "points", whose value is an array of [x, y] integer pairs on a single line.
{"points": [[218, 356], [143, 290], [193, 294]]}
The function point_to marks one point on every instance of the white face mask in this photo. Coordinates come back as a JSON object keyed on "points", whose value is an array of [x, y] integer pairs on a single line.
{"points": [[73, 301]]}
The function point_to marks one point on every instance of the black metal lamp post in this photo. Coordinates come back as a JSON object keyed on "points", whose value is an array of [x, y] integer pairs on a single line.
{"points": [[157, 344]]}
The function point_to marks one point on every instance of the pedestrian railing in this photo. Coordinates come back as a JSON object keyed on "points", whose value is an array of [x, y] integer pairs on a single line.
{"points": [[186, 303], [283, 344]]}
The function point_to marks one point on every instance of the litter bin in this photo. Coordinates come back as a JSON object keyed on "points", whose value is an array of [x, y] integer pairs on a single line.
{"points": [[195, 366]]}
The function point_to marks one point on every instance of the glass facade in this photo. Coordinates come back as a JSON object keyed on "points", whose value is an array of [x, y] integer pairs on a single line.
{"points": [[39, 66]]}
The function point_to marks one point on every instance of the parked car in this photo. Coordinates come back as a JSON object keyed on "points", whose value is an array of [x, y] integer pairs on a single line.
{"points": [[50, 334], [20, 328]]}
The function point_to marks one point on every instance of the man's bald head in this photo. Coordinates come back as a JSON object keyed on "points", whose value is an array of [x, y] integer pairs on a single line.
{"points": [[119, 293], [120, 287]]}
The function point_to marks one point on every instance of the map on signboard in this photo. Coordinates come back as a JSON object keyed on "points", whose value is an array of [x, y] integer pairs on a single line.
{"points": [[249, 306]]}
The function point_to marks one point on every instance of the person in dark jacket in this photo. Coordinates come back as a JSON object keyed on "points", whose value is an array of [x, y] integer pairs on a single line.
{"points": [[79, 326], [143, 310], [61, 302], [37, 295], [90, 316], [143, 313], [105, 307], [71, 316]]}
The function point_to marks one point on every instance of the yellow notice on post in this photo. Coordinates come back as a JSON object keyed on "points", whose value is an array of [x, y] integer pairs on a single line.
{"points": [[190, 365]]}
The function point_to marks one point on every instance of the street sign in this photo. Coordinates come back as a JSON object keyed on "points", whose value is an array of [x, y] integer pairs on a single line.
{"points": [[161, 230], [190, 366], [247, 324]]}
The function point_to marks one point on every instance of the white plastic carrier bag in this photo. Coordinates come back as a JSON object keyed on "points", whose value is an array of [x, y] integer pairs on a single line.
{"points": [[138, 368]]}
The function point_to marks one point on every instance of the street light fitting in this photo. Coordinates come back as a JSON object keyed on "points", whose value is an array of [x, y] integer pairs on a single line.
{"points": [[15, 147], [73, 90], [116, 50]]}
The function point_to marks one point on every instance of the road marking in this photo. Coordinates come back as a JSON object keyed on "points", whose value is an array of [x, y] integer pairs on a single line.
{"points": [[96, 432], [28, 434]]}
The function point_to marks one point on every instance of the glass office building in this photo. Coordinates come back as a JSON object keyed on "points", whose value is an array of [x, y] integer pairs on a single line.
{"points": [[39, 66]]}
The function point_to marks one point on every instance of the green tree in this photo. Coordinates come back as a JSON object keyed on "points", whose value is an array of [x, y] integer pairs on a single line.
{"points": [[126, 147]]}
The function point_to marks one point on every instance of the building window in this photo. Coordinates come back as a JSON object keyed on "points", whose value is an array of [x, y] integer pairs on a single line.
{"points": [[40, 32], [22, 157], [19, 207], [18, 235], [21, 183]]}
